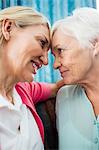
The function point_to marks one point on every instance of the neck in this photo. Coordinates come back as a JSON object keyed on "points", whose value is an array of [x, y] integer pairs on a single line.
{"points": [[92, 92], [7, 84], [7, 79], [91, 82]]}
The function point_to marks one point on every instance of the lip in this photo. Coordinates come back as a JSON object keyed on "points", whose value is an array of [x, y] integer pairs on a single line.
{"points": [[36, 64], [63, 73]]}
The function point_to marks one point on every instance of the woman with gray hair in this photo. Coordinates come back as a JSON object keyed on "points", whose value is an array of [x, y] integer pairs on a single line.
{"points": [[24, 45], [75, 45]]}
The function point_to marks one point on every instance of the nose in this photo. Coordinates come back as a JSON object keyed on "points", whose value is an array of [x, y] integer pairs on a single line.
{"points": [[44, 58], [57, 63]]}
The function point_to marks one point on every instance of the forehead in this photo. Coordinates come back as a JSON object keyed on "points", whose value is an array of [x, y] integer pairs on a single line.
{"points": [[64, 39], [60, 36], [38, 30], [41, 30]]}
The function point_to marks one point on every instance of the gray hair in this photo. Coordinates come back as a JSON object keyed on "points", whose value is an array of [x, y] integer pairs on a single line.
{"points": [[83, 25]]}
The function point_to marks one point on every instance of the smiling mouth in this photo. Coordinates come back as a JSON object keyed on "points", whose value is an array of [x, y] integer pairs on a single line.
{"points": [[35, 66]]}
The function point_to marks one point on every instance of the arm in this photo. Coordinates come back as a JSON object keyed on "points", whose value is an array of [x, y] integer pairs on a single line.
{"points": [[38, 91], [42, 91]]}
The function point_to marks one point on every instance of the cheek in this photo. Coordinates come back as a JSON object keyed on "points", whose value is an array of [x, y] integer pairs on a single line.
{"points": [[81, 68], [70, 58], [75, 65], [67, 60], [15, 59], [14, 63]]}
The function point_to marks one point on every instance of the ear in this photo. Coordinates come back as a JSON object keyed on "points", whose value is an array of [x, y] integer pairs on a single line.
{"points": [[6, 28], [96, 46]]}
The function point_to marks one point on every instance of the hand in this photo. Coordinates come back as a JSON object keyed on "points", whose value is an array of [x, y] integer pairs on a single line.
{"points": [[55, 87]]}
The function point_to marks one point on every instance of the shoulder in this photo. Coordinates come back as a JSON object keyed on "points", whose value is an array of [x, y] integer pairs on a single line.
{"points": [[68, 92], [25, 85]]}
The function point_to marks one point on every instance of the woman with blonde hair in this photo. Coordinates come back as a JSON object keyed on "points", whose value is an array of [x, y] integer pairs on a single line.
{"points": [[24, 45]]}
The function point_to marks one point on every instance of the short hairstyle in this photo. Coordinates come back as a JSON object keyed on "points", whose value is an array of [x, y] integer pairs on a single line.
{"points": [[83, 25], [22, 16]]}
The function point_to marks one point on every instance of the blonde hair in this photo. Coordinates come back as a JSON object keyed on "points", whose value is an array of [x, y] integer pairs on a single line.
{"points": [[22, 16]]}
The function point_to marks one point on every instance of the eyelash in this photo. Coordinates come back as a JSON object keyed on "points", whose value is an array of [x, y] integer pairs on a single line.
{"points": [[42, 43], [60, 50]]}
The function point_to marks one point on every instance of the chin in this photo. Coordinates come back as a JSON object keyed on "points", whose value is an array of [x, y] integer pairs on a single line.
{"points": [[27, 79], [30, 77], [68, 81]]}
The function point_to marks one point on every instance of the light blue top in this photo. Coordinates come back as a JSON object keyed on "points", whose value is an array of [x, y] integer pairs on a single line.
{"points": [[77, 125]]}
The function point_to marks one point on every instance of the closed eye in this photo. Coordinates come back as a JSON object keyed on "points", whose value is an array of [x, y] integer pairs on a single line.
{"points": [[42, 43], [60, 50]]}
